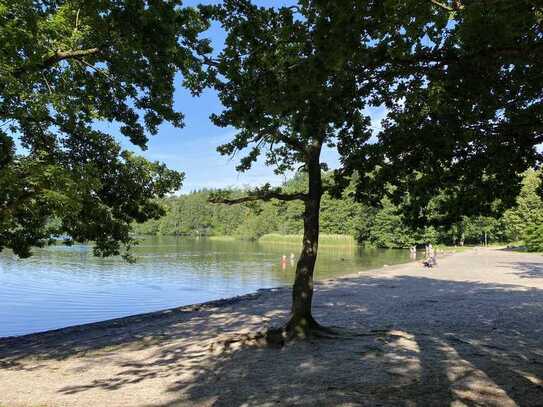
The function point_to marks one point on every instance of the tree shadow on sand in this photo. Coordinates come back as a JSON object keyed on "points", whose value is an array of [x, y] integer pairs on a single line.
{"points": [[410, 341], [528, 270]]}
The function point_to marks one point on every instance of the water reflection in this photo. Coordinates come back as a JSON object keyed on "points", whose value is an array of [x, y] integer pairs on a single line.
{"points": [[61, 286]]}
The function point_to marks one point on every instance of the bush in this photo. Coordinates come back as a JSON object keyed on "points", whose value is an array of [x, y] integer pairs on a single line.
{"points": [[534, 238]]}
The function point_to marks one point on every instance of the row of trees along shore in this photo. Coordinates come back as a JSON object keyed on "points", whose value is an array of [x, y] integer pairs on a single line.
{"points": [[380, 226], [458, 83]]}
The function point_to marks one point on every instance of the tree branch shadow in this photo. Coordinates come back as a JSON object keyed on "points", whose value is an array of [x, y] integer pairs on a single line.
{"points": [[528, 270]]}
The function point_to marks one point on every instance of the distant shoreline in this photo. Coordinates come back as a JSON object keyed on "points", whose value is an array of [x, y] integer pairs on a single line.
{"points": [[324, 239]]}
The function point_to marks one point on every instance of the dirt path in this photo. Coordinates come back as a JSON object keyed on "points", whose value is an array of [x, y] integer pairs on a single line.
{"points": [[466, 333]]}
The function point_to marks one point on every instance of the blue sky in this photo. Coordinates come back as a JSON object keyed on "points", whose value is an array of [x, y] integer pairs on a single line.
{"points": [[192, 149]]}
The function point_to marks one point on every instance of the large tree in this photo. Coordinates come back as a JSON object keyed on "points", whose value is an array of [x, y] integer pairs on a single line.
{"points": [[293, 80], [66, 66], [460, 79]]}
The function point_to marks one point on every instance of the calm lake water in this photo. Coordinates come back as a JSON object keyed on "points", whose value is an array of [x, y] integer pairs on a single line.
{"points": [[61, 286]]}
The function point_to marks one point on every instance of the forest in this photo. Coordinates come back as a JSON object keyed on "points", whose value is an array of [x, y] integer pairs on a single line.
{"points": [[384, 225]]}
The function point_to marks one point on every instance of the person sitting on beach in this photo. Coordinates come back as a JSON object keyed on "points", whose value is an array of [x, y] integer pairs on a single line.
{"points": [[430, 259]]}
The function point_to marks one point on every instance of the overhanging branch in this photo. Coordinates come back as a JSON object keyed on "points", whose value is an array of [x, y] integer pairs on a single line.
{"points": [[54, 59], [457, 5], [430, 60], [442, 5]]}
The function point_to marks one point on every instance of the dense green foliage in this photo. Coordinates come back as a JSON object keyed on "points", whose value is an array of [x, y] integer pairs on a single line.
{"points": [[462, 81], [534, 238], [65, 66], [382, 226], [524, 222], [192, 214]]}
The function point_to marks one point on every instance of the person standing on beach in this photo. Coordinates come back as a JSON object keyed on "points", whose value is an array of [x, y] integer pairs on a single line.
{"points": [[431, 256]]}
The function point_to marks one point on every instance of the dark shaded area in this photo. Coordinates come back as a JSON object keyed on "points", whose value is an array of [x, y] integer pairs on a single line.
{"points": [[407, 341], [136, 331], [528, 270]]}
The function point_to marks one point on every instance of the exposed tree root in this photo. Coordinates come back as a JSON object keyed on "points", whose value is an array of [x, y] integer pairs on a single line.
{"points": [[276, 337], [280, 336]]}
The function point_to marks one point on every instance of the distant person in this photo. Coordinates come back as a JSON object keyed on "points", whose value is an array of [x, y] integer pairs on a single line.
{"points": [[283, 262], [428, 256], [292, 258], [413, 252], [432, 256]]}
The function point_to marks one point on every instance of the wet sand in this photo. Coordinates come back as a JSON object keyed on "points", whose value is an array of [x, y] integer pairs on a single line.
{"points": [[468, 332]]}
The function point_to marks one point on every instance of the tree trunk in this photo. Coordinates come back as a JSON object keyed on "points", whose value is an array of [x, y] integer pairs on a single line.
{"points": [[301, 321]]}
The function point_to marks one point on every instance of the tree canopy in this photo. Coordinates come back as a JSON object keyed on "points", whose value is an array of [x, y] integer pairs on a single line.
{"points": [[66, 66], [463, 88]]}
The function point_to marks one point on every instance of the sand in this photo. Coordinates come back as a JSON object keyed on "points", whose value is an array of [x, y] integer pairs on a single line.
{"points": [[466, 333]]}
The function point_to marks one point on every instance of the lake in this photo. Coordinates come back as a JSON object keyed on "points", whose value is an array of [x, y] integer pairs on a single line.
{"points": [[62, 286]]}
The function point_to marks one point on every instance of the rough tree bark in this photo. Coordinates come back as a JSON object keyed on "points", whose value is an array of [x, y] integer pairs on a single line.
{"points": [[302, 323]]}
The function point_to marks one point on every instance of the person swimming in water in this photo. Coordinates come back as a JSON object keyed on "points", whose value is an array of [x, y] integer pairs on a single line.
{"points": [[283, 262], [413, 252]]}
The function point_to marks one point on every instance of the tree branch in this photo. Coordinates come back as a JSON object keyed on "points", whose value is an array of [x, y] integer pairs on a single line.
{"points": [[54, 59], [457, 5], [293, 143], [62, 55], [443, 6], [440, 59], [209, 61], [101, 71]]}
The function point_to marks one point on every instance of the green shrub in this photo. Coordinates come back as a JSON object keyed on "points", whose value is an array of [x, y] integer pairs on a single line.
{"points": [[534, 238]]}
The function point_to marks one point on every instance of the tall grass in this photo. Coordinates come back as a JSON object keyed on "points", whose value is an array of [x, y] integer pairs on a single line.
{"points": [[324, 239], [222, 238]]}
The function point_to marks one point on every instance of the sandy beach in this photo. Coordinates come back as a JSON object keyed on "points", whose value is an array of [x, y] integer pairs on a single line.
{"points": [[466, 333]]}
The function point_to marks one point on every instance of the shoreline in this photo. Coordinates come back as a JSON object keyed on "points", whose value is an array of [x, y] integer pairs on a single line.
{"points": [[217, 303], [466, 332], [126, 321], [143, 317], [221, 302]]}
